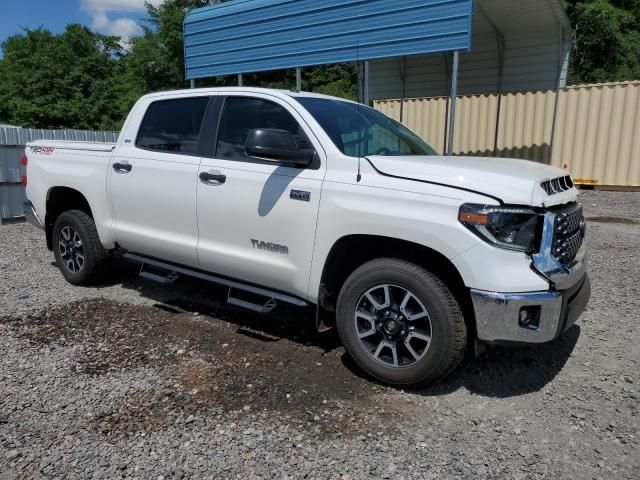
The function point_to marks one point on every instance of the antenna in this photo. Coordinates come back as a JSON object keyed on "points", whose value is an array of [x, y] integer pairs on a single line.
{"points": [[360, 94]]}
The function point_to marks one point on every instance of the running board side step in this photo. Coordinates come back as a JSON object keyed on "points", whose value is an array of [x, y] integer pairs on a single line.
{"points": [[250, 301], [247, 302], [159, 276]]}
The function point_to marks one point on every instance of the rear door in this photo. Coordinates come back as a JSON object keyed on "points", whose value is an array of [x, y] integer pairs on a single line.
{"points": [[154, 179], [257, 221]]}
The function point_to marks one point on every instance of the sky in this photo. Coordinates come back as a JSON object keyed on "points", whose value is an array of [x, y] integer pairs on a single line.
{"points": [[113, 17]]}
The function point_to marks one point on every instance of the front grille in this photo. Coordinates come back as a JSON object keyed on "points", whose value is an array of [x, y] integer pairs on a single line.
{"points": [[568, 234], [557, 185]]}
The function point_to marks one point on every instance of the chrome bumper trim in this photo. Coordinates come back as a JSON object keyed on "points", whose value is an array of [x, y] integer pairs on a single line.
{"points": [[497, 314], [30, 215]]}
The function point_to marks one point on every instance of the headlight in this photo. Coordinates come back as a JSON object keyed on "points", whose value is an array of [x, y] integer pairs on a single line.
{"points": [[510, 228]]}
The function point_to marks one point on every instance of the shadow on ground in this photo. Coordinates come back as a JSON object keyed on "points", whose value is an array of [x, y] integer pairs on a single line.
{"points": [[500, 372]]}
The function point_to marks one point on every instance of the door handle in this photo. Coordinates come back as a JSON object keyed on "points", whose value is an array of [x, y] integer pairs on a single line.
{"points": [[122, 167], [213, 177]]}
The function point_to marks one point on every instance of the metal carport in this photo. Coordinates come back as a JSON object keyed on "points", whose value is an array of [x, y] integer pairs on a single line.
{"points": [[406, 48], [516, 46]]}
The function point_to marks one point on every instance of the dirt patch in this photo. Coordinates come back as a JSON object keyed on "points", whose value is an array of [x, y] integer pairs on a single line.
{"points": [[209, 365], [108, 336]]}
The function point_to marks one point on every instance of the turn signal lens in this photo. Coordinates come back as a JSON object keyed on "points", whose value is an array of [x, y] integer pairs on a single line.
{"points": [[473, 218]]}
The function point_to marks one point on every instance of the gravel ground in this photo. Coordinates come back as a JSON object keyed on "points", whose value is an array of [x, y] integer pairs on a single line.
{"points": [[138, 381]]}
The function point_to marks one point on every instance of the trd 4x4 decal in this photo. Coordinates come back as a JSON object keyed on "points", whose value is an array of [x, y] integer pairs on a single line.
{"points": [[43, 150]]}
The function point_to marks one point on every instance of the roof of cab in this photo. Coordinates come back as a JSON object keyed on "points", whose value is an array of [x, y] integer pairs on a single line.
{"points": [[231, 90]]}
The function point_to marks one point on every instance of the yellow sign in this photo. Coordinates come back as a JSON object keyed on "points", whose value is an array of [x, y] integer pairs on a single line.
{"points": [[586, 181]]}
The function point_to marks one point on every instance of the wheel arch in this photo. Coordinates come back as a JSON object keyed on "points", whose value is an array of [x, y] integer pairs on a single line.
{"points": [[351, 251], [59, 200]]}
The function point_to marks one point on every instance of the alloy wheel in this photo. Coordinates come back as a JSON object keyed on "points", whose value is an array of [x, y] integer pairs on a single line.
{"points": [[393, 325], [71, 249]]}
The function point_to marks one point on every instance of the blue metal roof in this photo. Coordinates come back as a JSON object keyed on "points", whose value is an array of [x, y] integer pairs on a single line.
{"points": [[243, 36]]}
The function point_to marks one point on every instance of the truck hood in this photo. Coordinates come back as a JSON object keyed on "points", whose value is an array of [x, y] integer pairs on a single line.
{"points": [[512, 181]]}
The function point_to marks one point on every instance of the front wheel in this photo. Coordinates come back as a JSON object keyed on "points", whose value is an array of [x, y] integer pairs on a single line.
{"points": [[400, 322], [79, 254]]}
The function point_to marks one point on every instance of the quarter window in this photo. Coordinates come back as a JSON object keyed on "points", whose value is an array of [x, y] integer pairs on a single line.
{"points": [[173, 125], [243, 114]]}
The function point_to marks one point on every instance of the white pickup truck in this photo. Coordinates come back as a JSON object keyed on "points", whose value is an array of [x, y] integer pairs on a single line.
{"points": [[311, 200]]}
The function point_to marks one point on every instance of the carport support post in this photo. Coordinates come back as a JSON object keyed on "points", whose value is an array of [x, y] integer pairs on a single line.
{"points": [[299, 79], [240, 80], [403, 80], [454, 94], [365, 92], [363, 82], [192, 83]]}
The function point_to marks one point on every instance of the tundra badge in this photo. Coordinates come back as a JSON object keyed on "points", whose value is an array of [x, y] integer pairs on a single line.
{"points": [[270, 247]]}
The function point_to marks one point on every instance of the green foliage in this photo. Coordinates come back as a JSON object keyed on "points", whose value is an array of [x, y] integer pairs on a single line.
{"points": [[157, 57], [52, 81], [607, 40], [337, 80]]}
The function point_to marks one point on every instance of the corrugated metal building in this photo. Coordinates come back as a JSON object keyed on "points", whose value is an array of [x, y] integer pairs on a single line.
{"points": [[516, 46], [11, 189], [507, 45], [12, 143], [244, 36], [593, 130], [10, 135]]}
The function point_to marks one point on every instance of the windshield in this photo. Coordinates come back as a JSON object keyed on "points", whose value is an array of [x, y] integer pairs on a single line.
{"points": [[359, 131]]}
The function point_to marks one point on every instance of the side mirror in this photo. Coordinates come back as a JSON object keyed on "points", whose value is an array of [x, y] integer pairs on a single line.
{"points": [[277, 146]]}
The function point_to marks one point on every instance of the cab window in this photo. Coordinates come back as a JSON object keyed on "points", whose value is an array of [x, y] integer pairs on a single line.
{"points": [[243, 114], [173, 125]]}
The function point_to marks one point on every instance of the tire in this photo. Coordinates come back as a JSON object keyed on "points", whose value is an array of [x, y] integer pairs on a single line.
{"points": [[427, 347], [77, 230]]}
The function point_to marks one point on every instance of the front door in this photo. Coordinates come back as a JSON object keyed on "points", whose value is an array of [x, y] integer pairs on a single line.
{"points": [[153, 180], [256, 218]]}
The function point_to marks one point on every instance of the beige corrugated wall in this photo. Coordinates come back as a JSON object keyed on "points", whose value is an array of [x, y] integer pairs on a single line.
{"points": [[597, 128]]}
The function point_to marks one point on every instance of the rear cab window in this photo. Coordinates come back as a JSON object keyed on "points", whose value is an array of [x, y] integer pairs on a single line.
{"points": [[173, 126]]}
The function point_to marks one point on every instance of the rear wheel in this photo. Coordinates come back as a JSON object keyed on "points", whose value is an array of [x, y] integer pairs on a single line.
{"points": [[79, 254], [400, 322]]}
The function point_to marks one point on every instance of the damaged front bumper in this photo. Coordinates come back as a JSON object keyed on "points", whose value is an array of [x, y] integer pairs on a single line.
{"points": [[536, 317]]}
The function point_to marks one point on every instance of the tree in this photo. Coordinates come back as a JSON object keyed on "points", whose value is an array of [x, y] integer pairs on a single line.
{"points": [[607, 40], [338, 80], [53, 81], [157, 57]]}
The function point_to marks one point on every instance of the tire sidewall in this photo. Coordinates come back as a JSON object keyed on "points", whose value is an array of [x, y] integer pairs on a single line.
{"points": [[71, 220], [428, 367]]}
